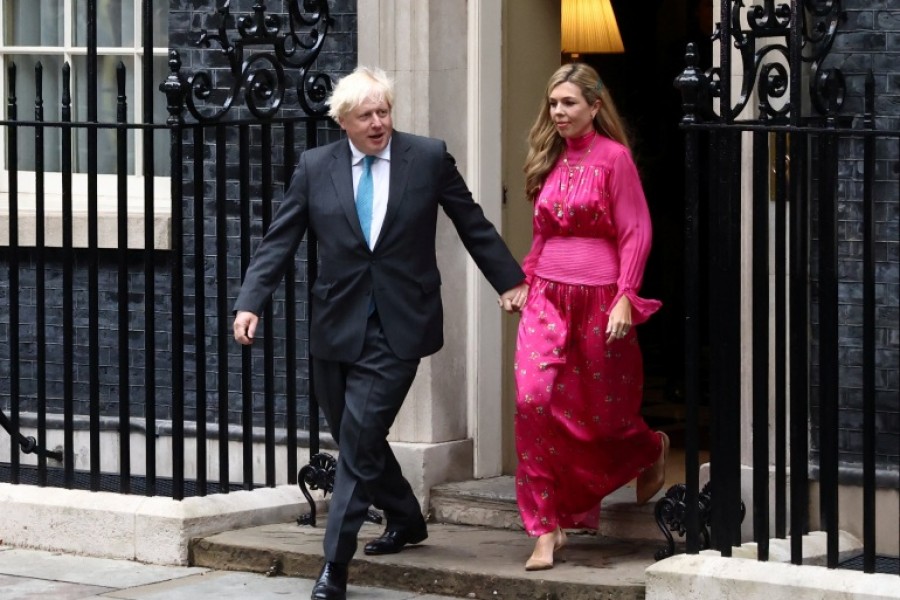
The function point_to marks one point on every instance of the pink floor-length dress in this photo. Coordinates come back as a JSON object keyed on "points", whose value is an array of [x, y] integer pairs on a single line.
{"points": [[579, 431]]}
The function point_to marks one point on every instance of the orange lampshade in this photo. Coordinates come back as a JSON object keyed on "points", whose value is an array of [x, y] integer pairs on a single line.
{"points": [[589, 26]]}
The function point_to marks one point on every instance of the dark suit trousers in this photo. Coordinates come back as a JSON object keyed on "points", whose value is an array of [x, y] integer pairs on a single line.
{"points": [[360, 401]]}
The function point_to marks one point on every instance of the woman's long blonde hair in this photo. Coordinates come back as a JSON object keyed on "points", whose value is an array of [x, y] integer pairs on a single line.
{"points": [[545, 144]]}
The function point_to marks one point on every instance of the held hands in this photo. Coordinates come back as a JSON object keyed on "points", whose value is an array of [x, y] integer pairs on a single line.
{"points": [[245, 327], [513, 299], [619, 322]]}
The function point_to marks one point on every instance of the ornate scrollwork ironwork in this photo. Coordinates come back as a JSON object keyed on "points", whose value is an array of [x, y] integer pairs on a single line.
{"points": [[762, 34], [826, 86], [257, 58], [319, 474], [671, 511], [28, 444]]}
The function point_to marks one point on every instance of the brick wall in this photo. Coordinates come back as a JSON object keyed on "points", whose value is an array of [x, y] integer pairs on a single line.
{"points": [[338, 56], [868, 40], [186, 17]]}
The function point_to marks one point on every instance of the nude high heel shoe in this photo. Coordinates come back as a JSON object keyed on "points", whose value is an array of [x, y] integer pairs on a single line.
{"points": [[651, 481], [540, 564]]}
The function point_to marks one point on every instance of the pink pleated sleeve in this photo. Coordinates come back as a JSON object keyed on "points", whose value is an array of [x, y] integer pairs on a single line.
{"points": [[634, 235], [529, 263]]}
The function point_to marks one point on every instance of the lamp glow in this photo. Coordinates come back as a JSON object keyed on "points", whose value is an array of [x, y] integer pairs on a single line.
{"points": [[589, 26]]}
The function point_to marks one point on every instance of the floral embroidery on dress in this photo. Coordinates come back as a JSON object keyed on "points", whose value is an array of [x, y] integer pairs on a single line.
{"points": [[579, 433]]}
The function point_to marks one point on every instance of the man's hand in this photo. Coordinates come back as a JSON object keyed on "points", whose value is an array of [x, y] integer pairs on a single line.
{"points": [[514, 299], [245, 327]]}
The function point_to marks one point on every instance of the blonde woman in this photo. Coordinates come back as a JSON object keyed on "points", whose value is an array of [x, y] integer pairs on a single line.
{"points": [[579, 375]]}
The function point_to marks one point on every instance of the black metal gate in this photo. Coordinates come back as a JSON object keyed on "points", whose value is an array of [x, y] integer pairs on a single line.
{"points": [[776, 176], [123, 337]]}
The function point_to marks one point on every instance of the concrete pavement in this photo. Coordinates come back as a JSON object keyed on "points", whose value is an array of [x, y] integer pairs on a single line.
{"points": [[33, 574]]}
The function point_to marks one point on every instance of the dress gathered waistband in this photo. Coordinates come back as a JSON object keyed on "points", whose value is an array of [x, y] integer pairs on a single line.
{"points": [[579, 260]]}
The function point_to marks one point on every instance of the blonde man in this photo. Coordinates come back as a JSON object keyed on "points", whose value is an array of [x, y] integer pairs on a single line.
{"points": [[372, 200]]}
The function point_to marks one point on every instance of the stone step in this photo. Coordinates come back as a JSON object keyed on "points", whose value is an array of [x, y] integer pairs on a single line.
{"points": [[456, 560], [491, 503]]}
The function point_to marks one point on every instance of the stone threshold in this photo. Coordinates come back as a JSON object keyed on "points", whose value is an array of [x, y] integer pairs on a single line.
{"points": [[456, 560]]}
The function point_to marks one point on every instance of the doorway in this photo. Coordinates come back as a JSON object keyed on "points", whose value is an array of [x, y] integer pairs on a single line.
{"points": [[655, 34]]}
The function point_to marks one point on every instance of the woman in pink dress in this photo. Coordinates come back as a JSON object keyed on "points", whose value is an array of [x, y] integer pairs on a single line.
{"points": [[579, 376]]}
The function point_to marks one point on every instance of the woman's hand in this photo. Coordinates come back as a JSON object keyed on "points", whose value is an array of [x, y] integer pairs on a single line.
{"points": [[619, 322], [514, 299]]}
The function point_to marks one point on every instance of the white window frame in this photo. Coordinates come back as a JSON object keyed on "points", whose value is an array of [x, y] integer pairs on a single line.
{"points": [[107, 184]]}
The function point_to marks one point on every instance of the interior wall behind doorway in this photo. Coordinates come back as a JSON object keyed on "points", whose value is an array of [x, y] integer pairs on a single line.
{"points": [[655, 34], [530, 54]]}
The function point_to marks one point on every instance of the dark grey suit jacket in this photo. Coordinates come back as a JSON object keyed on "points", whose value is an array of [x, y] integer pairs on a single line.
{"points": [[401, 271]]}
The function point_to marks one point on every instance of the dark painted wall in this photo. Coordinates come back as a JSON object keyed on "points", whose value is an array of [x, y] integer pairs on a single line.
{"points": [[868, 40]]}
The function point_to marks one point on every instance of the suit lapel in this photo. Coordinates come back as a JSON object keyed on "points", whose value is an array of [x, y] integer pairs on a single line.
{"points": [[401, 161], [342, 177]]}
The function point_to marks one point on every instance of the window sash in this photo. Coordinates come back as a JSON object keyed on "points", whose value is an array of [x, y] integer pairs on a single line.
{"points": [[133, 57]]}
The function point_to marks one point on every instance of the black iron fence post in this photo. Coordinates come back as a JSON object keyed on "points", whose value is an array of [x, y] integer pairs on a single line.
{"points": [[174, 89], [122, 248], [693, 85]]}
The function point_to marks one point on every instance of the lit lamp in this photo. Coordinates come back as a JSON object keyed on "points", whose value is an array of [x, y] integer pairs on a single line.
{"points": [[589, 26]]}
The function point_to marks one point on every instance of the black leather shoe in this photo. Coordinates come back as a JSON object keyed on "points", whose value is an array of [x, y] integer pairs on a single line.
{"points": [[393, 541], [332, 583]]}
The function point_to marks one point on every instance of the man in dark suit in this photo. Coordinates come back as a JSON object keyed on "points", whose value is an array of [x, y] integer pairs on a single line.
{"points": [[372, 201]]}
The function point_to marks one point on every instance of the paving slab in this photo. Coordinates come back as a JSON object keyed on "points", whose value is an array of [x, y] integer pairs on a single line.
{"points": [[456, 560], [111, 573], [41, 575], [23, 588], [241, 586]]}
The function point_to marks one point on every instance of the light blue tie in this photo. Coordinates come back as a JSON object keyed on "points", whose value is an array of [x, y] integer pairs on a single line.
{"points": [[365, 192]]}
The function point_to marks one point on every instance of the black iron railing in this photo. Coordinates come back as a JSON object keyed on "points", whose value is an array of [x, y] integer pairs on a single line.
{"points": [[111, 342], [814, 347]]}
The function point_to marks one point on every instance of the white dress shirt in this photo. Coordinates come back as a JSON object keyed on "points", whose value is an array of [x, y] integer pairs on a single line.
{"points": [[381, 175]]}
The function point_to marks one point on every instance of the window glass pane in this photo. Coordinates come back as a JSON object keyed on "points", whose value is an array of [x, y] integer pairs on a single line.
{"points": [[25, 107], [161, 24], [162, 138], [34, 23], [115, 23], [107, 108]]}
